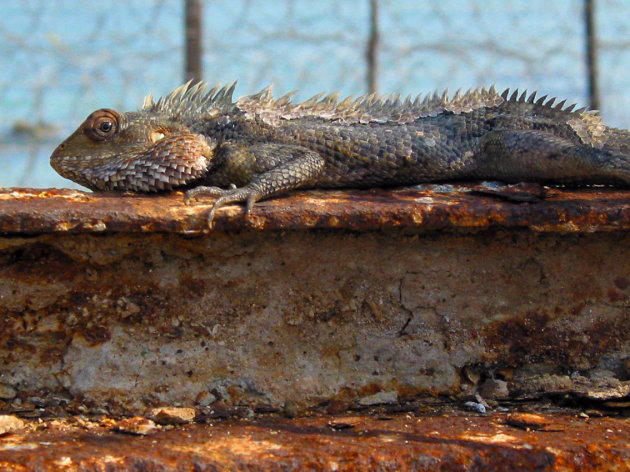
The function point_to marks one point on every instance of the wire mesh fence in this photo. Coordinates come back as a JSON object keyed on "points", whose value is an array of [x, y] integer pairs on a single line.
{"points": [[64, 58]]}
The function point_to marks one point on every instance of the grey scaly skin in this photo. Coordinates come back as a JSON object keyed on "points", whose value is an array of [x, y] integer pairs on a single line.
{"points": [[257, 146]]}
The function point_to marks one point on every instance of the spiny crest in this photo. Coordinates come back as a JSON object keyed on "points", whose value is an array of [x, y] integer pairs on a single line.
{"points": [[522, 97], [365, 109], [588, 125], [190, 101]]}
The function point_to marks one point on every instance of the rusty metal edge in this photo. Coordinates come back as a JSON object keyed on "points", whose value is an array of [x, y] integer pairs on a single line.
{"points": [[25, 211]]}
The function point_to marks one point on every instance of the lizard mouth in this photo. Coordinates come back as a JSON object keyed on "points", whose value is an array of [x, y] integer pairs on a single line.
{"points": [[170, 160], [70, 168], [56, 158]]}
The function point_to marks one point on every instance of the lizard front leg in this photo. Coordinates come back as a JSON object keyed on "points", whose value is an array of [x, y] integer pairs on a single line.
{"points": [[267, 169]]}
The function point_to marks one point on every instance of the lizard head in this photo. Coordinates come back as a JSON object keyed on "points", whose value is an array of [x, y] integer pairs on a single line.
{"points": [[138, 151]]}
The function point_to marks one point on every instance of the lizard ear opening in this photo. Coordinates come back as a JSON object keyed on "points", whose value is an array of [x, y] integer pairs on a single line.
{"points": [[102, 125]]}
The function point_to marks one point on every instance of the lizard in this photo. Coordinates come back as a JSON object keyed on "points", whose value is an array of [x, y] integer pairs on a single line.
{"points": [[199, 139]]}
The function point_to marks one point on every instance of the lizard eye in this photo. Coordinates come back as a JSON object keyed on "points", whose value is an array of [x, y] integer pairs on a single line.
{"points": [[106, 126], [102, 124]]}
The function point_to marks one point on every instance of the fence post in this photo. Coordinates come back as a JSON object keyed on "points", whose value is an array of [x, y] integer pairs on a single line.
{"points": [[372, 49], [591, 55], [194, 32]]}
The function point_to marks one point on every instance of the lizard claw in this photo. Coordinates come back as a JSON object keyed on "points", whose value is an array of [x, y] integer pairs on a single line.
{"points": [[193, 193], [225, 196]]}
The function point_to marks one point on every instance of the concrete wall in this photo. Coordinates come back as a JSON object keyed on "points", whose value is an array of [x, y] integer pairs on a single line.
{"points": [[123, 322], [331, 300]]}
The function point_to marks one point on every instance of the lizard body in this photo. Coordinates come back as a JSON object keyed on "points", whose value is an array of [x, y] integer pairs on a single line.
{"points": [[258, 146]]}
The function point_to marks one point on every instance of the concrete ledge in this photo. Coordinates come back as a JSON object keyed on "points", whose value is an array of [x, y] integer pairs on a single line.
{"points": [[108, 305]]}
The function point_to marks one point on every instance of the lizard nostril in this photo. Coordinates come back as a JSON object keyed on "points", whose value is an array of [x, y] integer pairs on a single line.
{"points": [[59, 148]]}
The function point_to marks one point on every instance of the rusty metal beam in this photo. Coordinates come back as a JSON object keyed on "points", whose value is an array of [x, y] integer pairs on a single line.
{"points": [[462, 208]]}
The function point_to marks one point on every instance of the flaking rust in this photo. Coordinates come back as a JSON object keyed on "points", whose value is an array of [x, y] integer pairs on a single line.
{"points": [[358, 443], [461, 209], [110, 309]]}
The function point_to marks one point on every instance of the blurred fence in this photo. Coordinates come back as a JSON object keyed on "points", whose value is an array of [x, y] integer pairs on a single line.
{"points": [[63, 58]]}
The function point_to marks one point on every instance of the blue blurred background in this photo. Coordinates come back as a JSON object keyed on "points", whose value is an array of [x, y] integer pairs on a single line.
{"points": [[62, 59]]}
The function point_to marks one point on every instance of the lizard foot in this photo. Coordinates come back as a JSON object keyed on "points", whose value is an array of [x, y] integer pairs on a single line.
{"points": [[200, 191], [224, 197]]}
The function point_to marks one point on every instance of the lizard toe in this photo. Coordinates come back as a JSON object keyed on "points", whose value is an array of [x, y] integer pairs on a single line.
{"points": [[200, 191], [234, 195]]}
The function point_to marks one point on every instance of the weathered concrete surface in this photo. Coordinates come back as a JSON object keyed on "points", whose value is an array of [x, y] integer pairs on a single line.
{"points": [[100, 312], [448, 442]]}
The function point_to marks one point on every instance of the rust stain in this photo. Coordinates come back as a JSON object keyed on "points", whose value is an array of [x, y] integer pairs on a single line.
{"points": [[36, 211], [533, 336], [621, 283]]}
